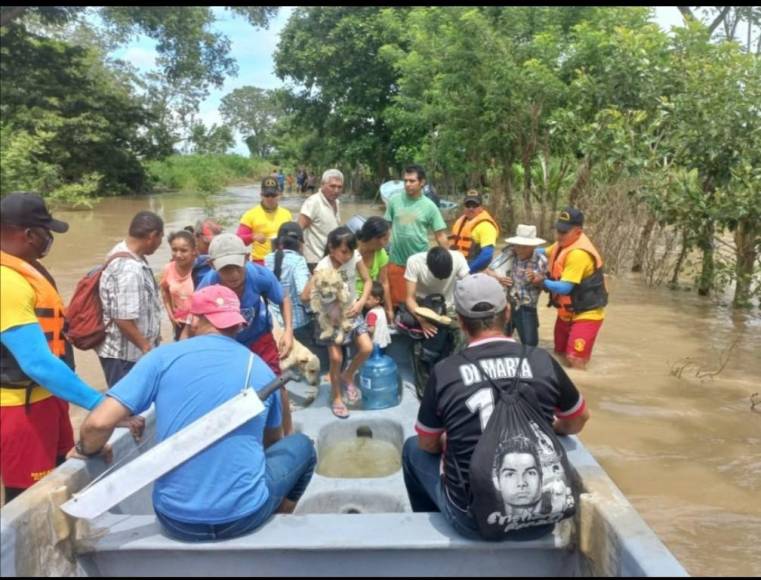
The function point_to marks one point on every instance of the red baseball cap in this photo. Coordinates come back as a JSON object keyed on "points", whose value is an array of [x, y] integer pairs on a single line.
{"points": [[219, 305]]}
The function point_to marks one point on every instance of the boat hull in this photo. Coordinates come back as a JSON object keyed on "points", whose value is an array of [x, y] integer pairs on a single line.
{"points": [[342, 526]]}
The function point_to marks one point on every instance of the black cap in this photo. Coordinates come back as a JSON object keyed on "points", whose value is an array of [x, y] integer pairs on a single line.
{"points": [[568, 218], [291, 230], [28, 210], [269, 186], [472, 195]]}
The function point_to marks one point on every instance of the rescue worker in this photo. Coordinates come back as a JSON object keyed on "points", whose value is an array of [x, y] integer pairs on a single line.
{"points": [[576, 284], [475, 233], [36, 361]]}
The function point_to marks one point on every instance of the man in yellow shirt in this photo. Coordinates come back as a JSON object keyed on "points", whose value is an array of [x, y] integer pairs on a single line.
{"points": [[261, 223], [577, 288], [475, 233]]}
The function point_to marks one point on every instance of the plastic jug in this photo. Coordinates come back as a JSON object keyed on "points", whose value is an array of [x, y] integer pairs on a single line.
{"points": [[379, 381]]}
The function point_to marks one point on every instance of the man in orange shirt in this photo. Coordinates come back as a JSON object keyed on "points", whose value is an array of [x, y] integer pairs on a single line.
{"points": [[261, 223], [577, 288]]}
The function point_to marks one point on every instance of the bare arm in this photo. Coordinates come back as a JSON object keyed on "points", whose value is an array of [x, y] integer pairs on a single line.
{"points": [[100, 424], [133, 334], [306, 293], [286, 339], [442, 239], [304, 221], [571, 425], [383, 279], [429, 329], [272, 435]]}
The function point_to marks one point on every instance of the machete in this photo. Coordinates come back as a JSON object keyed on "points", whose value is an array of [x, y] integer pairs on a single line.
{"points": [[105, 493]]}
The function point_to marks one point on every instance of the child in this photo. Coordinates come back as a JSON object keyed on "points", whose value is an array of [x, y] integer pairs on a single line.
{"points": [[342, 255], [176, 281], [375, 318], [291, 270]]}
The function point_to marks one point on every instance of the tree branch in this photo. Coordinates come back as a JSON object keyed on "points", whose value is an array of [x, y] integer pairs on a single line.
{"points": [[10, 13], [686, 13], [719, 19]]}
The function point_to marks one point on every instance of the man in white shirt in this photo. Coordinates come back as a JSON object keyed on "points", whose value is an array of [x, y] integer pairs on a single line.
{"points": [[433, 272], [320, 215]]}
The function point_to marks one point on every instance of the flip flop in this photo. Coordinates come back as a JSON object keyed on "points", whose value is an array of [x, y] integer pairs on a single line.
{"points": [[336, 408], [353, 394]]}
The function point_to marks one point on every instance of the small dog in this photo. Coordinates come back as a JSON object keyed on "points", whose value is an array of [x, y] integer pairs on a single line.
{"points": [[301, 359], [330, 299]]}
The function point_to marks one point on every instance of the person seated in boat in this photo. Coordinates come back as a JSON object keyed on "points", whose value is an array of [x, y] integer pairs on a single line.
{"points": [[457, 403], [235, 485], [475, 233]]}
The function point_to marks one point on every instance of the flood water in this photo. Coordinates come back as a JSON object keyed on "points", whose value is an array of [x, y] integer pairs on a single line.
{"points": [[686, 452]]}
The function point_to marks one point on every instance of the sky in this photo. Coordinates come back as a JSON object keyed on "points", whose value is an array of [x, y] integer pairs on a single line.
{"points": [[252, 48]]}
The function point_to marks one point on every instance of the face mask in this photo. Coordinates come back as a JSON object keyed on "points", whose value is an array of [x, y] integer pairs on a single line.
{"points": [[48, 243]]}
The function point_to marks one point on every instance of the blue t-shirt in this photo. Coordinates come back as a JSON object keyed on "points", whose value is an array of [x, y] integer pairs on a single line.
{"points": [[201, 267], [186, 380], [259, 281]]}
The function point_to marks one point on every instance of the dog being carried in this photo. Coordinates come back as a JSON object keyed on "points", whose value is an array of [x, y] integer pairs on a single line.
{"points": [[330, 301]]}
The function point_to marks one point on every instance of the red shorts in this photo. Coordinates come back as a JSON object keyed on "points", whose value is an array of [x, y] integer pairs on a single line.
{"points": [[397, 283], [30, 443], [266, 348], [576, 339], [260, 262]]}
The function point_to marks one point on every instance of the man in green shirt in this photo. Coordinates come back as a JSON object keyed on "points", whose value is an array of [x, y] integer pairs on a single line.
{"points": [[412, 216]]}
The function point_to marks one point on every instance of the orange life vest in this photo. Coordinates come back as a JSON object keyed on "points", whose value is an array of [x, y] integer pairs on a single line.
{"points": [[462, 230], [50, 313], [556, 265]]}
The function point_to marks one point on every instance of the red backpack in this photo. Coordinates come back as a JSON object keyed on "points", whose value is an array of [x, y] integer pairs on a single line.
{"points": [[85, 312]]}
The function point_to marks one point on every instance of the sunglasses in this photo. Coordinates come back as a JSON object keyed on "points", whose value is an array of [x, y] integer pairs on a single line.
{"points": [[472, 204], [270, 194]]}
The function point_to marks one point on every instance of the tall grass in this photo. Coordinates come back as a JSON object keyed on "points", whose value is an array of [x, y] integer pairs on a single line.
{"points": [[204, 174]]}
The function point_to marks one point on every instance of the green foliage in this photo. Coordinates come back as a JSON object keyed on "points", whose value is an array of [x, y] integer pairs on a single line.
{"points": [[206, 174], [252, 112]]}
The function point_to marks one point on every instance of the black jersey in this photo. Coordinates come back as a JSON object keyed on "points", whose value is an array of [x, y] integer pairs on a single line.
{"points": [[459, 399]]}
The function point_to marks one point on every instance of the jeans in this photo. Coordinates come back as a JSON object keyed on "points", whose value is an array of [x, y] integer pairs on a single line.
{"points": [[290, 465], [526, 320], [115, 369], [426, 490], [427, 494]]}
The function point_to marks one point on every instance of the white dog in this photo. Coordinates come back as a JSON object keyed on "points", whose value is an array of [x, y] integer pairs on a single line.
{"points": [[330, 299]]}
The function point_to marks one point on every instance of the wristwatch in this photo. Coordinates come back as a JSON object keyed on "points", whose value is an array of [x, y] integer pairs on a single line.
{"points": [[78, 449]]}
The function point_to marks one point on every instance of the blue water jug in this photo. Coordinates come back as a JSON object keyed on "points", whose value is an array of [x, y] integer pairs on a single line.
{"points": [[379, 381]]}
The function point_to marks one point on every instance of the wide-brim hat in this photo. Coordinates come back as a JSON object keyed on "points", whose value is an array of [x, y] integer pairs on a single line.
{"points": [[525, 235]]}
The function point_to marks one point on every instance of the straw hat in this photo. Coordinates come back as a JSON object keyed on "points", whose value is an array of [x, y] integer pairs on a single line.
{"points": [[525, 236]]}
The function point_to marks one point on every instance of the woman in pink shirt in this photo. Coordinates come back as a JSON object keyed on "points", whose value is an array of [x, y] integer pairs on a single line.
{"points": [[176, 280]]}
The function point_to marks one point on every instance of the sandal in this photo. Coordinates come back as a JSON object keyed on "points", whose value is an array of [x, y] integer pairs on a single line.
{"points": [[353, 394], [339, 410]]}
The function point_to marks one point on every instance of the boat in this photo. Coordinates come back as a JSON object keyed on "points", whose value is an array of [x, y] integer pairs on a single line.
{"points": [[391, 188], [343, 526]]}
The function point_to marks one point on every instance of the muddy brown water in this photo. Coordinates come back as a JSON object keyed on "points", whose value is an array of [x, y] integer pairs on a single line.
{"points": [[686, 452]]}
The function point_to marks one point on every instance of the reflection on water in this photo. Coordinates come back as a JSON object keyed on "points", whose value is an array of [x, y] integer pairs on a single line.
{"points": [[686, 452], [359, 457]]}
